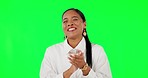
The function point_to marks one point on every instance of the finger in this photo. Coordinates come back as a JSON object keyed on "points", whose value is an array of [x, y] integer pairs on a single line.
{"points": [[73, 63], [78, 60], [80, 56], [79, 51], [71, 59], [72, 55]]}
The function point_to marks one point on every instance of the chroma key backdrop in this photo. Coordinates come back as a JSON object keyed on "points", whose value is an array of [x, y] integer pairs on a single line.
{"points": [[28, 27]]}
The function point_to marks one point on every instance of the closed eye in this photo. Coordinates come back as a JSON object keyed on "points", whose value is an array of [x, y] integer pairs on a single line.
{"points": [[75, 19], [65, 21]]}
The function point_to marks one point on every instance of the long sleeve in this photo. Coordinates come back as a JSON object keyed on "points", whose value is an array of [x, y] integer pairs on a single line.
{"points": [[101, 68], [55, 62], [47, 68]]}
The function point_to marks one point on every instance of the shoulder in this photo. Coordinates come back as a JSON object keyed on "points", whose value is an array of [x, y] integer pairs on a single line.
{"points": [[97, 50], [96, 46], [55, 46], [53, 49]]}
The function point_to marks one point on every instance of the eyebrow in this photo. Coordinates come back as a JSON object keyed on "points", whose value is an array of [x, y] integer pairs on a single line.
{"points": [[72, 17], [65, 18]]}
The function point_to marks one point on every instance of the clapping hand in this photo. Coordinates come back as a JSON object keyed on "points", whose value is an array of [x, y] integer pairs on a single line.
{"points": [[77, 59]]}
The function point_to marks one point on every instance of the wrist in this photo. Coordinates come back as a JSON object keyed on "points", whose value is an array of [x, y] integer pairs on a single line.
{"points": [[85, 66], [69, 71], [85, 69]]}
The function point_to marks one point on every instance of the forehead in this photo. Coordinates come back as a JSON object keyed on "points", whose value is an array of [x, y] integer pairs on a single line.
{"points": [[70, 14]]}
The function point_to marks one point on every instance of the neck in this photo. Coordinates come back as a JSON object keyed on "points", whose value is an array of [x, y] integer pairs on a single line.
{"points": [[74, 42]]}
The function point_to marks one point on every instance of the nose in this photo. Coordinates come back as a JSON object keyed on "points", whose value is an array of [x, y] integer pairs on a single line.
{"points": [[70, 23]]}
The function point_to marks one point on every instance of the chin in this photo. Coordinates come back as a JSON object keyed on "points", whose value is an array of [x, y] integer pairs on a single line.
{"points": [[71, 37]]}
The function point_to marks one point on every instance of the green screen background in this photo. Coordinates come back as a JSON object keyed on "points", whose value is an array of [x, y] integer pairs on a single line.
{"points": [[28, 27]]}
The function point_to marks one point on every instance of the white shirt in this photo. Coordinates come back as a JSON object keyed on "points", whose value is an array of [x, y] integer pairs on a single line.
{"points": [[55, 61]]}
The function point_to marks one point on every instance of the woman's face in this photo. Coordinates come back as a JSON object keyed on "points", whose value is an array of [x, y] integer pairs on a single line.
{"points": [[73, 24]]}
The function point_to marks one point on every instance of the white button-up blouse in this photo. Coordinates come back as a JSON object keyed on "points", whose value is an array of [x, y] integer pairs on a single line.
{"points": [[55, 61]]}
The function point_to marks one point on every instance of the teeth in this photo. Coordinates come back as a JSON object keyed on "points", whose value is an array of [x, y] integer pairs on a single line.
{"points": [[71, 29]]}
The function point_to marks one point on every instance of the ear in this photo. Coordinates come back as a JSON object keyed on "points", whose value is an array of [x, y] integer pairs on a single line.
{"points": [[84, 25]]}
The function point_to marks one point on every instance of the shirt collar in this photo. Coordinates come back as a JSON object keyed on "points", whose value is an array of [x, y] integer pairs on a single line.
{"points": [[80, 46]]}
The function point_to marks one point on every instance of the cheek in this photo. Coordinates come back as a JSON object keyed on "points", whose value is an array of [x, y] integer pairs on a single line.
{"points": [[82, 27], [64, 28], [76, 23]]}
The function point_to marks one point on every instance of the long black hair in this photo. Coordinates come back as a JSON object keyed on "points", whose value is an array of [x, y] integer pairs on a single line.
{"points": [[88, 43]]}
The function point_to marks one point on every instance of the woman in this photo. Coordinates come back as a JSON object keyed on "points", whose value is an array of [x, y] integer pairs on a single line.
{"points": [[90, 61]]}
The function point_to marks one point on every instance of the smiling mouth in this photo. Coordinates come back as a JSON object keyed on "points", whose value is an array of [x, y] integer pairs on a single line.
{"points": [[71, 29]]}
